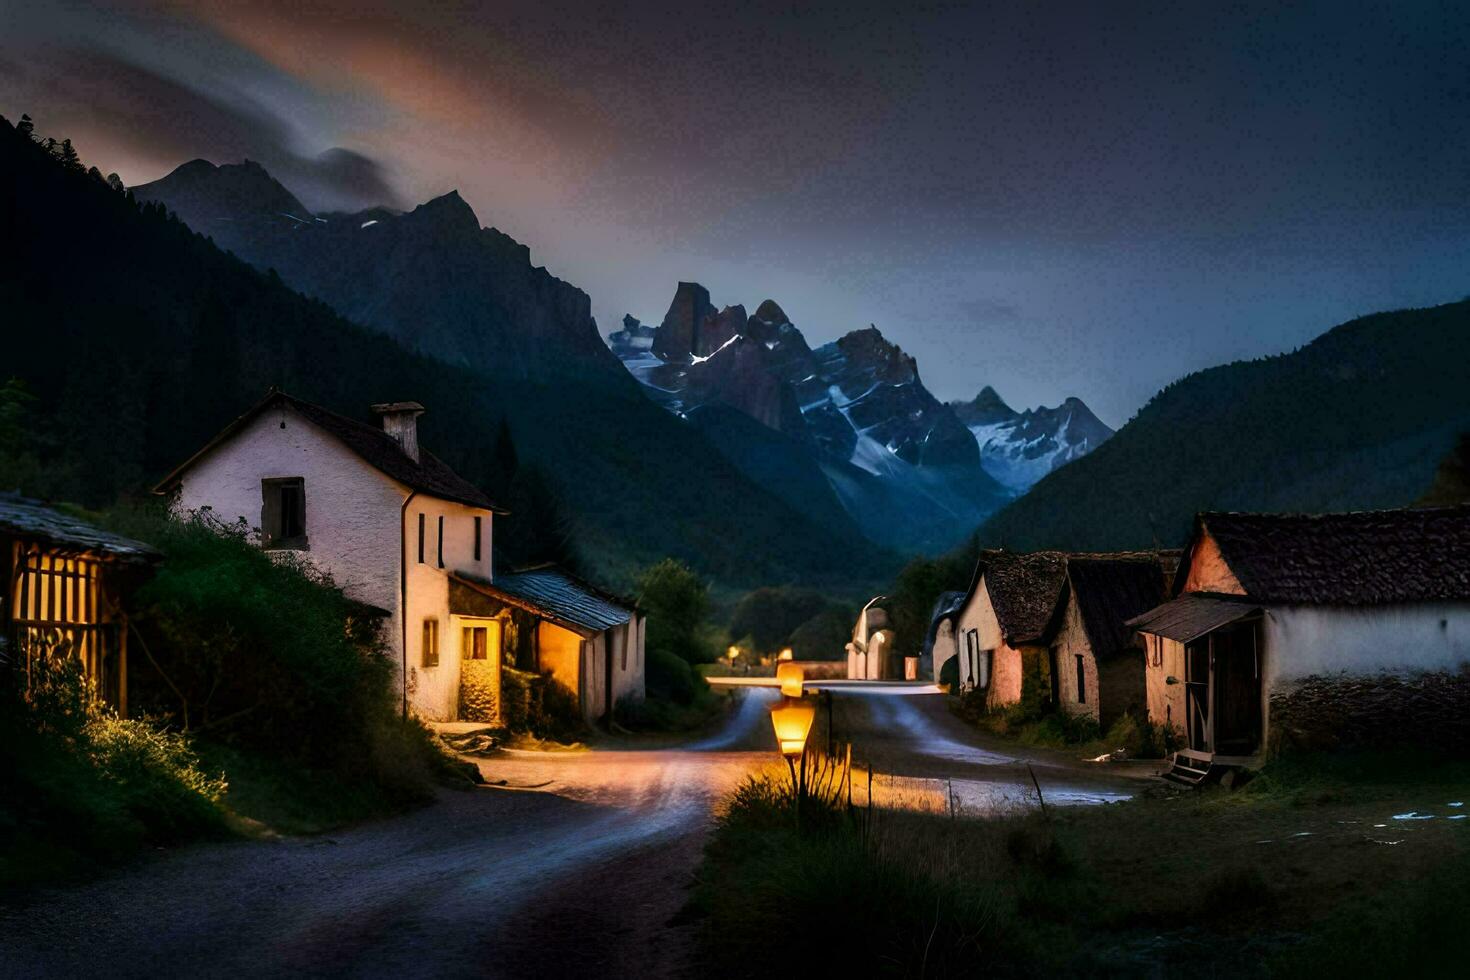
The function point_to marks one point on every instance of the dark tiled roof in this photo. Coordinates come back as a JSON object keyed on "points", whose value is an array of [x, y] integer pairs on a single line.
{"points": [[556, 595], [1023, 590], [376, 447], [1360, 558], [1110, 592], [1193, 615], [948, 604], [32, 519]]}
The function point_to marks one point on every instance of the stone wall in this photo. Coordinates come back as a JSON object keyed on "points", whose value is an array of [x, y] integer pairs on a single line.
{"points": [[1431, 710]]}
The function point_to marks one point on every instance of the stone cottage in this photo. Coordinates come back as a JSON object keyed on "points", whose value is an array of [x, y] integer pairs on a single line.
{"points": [[1095, 659], [392, 525], [999, 626], [940, 647], [1313, 629]]}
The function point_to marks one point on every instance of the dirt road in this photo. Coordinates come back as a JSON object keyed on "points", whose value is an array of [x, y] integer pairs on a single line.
{"points": [[578, 873]]}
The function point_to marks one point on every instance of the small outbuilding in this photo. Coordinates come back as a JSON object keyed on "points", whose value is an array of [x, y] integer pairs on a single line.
{"points": [[1095, 659], [1290, 629], [65, 595]]}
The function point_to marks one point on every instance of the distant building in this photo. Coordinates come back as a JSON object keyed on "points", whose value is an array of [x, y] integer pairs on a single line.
{"points": [[65, 595], [1313, 630], [940, 647], [397, 530], [870, 652]]}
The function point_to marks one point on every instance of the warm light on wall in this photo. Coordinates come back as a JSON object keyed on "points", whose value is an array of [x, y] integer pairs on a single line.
{"points": [[792, 721], [786, 654], [790, 675]]}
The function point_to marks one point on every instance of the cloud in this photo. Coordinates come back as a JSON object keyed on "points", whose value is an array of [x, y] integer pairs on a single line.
{"points": [[140, 121]]}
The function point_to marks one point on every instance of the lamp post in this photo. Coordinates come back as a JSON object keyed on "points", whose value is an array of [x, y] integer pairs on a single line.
{"points": [[792, 720], [791, 676]]}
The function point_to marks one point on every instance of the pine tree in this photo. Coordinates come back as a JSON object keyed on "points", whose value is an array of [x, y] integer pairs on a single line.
{"points": [[25, 127], [115, 182], [68, 156]]}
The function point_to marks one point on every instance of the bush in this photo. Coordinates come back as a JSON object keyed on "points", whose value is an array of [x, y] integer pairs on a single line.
{"points": [[1141, 738], [540, 705], [262, 652], [669, 677], [81, 787]]}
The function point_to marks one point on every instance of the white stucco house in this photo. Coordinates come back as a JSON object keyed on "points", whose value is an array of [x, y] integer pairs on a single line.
{"points": [[1313, 630], [401, 532]]}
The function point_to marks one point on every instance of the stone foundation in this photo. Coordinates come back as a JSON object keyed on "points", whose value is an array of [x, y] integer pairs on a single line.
{"points": [[1429, 710]]}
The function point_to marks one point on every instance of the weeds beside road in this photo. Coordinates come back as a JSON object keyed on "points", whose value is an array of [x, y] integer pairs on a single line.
{"points": [[1305, 871]]}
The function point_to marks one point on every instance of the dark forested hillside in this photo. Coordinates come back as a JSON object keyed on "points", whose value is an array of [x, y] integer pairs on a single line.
{"points": [[1357, 419], [139, 340]]}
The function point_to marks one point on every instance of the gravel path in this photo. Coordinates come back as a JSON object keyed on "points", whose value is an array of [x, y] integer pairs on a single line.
{"points": [[581, 876]]}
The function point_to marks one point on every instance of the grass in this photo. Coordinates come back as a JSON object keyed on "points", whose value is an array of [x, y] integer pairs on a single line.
{"points": [[1029, 725], [1288, 876]]}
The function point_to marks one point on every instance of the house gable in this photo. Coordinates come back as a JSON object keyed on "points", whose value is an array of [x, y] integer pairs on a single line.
{"points": [[1207, 569]]}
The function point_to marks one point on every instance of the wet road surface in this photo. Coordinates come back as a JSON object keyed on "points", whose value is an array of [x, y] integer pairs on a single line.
{"points": [[578, 867]]}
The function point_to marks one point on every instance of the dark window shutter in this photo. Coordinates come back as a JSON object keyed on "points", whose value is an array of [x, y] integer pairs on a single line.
{"points": [[440, 545], [421, 539], [479, 536]]}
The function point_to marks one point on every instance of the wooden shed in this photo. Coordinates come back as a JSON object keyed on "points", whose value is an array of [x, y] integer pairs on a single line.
{"points": [[66, 581]]}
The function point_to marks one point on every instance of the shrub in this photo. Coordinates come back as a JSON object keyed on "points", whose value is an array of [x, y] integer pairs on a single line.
{"points": [[670, 677], [80, 786], [541, 705]]}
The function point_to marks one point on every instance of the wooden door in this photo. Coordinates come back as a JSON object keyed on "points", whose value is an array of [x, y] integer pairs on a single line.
{"points": [[1237, 690]]}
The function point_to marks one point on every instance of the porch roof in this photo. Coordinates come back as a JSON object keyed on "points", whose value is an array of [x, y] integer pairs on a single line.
{"points": [[25, 518], [555, 595], [1194, 614]]}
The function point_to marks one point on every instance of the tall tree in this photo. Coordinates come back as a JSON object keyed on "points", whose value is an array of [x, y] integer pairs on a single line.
{"points": [[25, 127]]}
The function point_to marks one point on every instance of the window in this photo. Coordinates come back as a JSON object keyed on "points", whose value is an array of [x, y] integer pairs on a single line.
{"points": [[283, 513], [478, 535], [1081, 681], [430, 656], [626, 635], [982, 678], [441, 541], [972, 656], [480, 642], [421, 539]]}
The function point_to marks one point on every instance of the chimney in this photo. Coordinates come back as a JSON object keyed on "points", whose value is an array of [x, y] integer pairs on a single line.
{"points": [[400, 420]]}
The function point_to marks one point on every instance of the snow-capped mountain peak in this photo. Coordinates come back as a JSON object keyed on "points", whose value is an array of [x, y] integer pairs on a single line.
{"points": [[1019, 448]]}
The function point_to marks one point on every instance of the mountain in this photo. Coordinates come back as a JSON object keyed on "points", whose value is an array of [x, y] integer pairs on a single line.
{"points": [[1357, 419], [140, 339], [432, 278], [1019, 448], [900, 462]]}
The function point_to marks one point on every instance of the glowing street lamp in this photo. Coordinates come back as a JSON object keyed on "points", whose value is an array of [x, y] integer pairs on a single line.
{"points": [[792, 720], [790, 675]]}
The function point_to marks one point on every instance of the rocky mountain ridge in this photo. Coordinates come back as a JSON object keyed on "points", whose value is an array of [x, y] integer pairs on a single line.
{"points": [[432, 277]]}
